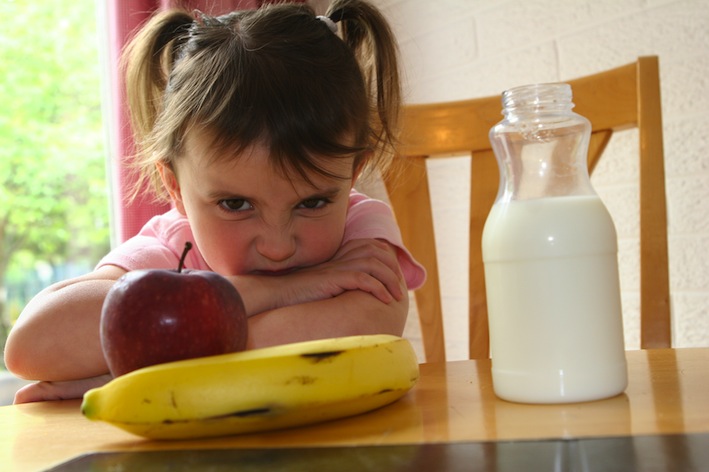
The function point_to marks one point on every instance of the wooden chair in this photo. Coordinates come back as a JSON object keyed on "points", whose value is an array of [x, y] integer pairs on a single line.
{"points": [[622, 98]]}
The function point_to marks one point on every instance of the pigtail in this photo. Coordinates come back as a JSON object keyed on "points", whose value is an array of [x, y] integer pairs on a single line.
{"points": [[367, 33], [148, 60]]}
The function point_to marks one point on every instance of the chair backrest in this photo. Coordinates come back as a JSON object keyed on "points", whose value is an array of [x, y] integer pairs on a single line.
{"points": [[622, 98]]}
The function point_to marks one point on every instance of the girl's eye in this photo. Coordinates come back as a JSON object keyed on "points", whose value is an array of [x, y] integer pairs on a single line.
{"points": [[313, 203], [235, 204]]}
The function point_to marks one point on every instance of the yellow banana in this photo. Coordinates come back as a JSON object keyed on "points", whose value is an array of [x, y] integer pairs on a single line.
{"points": [[258, 390]]}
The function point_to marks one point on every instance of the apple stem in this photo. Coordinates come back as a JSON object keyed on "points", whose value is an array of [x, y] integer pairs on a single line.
{"points": [[181, 265]]}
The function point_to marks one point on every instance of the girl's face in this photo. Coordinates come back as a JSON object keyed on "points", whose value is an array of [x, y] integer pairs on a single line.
{"points": [[248, 219]]}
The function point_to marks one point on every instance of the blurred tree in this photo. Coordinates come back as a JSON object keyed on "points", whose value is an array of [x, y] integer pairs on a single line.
{"points": [[53, 190]]}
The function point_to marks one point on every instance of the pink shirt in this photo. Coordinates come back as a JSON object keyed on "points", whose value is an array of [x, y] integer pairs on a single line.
{"points": [[161, 241]]}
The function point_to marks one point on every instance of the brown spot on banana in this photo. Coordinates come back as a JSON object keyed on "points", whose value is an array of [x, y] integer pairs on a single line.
{"points": [[317, 357]]}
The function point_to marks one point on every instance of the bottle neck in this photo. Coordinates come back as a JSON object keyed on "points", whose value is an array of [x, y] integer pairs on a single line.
{"points": [[541, 144]]}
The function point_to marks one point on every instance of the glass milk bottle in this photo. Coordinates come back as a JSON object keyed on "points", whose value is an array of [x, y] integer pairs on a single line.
{"points": [[550, 254]]}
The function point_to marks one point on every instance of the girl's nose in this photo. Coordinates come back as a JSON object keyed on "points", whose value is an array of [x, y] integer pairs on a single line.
{"points": [[276, 244]]}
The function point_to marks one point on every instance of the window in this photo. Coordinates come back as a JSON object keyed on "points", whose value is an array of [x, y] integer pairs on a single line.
{"points": [[54, 213]]}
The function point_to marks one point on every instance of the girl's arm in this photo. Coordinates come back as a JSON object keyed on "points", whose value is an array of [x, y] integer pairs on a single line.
{"points": [[57, 335], [366, 265], [61, 390], [350, 313], [361, 290]]}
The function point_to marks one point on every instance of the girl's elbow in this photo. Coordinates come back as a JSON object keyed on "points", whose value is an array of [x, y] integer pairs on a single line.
{"points": [[28, 353], [18, 359], [392, 318]]}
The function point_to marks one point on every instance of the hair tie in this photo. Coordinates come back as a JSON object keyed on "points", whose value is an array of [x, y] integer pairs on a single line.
{"points": [[328, 21], [198, 17]]}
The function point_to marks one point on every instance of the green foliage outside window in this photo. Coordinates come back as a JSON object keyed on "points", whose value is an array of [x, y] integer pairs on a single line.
{"points": [[53, 192]]}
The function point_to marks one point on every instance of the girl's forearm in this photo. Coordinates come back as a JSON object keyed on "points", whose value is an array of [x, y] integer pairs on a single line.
{"points": [[57, 335], [351, 313]]}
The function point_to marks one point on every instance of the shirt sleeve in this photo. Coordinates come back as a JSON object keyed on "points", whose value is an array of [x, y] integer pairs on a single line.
{"points": [[369, 218], [158, 245], [141, 252]]}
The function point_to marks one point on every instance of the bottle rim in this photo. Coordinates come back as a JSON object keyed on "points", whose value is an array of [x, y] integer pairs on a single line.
{"points": [[537, 96]]}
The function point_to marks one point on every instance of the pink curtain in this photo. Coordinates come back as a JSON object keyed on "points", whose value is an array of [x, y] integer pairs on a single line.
{"points": [[125, 16]]}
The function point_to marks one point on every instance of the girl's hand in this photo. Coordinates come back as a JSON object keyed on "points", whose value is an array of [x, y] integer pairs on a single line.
{"points": [[64, 390], [368, 265], [374, 265]]}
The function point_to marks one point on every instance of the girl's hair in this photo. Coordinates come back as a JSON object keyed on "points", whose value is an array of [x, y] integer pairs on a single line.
{"points": [[277, 75]]}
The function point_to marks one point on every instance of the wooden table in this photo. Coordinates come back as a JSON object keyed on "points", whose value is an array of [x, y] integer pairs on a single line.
{"points": [[452, 405]]}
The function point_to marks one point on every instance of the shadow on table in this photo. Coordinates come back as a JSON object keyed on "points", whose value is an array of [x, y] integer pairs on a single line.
{"points": [[631, 453]]}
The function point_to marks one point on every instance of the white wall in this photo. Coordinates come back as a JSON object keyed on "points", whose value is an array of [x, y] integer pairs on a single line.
{"points": [[454, 49]]}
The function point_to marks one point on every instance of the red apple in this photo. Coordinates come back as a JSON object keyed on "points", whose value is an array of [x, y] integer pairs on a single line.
{"points": [[156, 316]]}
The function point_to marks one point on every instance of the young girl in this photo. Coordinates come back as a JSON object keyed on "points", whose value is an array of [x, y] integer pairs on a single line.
{"points": [[256, 126]]}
